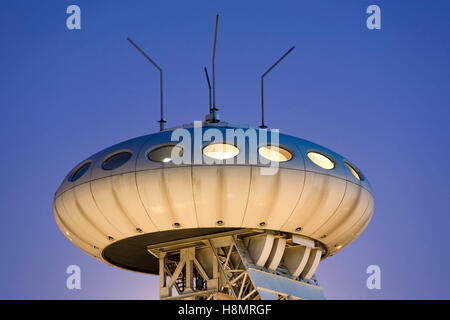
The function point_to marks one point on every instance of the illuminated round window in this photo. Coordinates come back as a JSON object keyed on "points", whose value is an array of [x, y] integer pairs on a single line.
{"points": [[275, 153], [165, 153], [220, 151], [321, 160], [78, 173], [353, 171], [117, 160]]}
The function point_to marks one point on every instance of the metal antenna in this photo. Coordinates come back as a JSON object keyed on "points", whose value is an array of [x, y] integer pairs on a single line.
{"points": [[209, 86], [263, 126], [214, 109], [161, 121]]}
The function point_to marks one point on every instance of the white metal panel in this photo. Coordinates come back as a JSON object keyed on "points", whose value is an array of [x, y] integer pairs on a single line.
{"points": [[71, 215], [350, 210], [272, 197], [66, 227], [220, 193], [71, 236], [119, 198], [321, 195], [168, 197], [101, 220], [349, 235]]}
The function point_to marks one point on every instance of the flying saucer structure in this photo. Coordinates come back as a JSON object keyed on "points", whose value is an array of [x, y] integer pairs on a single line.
{"points": [[221, 229]]}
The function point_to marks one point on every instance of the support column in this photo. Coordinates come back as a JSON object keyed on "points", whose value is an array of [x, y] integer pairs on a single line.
{"points": [[260, 248], [164, 291]]}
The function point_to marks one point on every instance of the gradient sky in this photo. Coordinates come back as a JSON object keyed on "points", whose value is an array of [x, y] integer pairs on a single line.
{"points": [[380, 98]]}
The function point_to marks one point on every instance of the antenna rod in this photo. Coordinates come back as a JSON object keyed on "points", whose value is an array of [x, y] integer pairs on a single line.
{"points": [[213, 71], [161, 121], [209, 86], [263, 126]]}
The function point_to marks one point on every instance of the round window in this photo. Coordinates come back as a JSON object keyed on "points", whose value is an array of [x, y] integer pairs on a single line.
{"points": [[116, 160], [80, 171], [321, 160], [275, 153], [354, 171], [220, 151], [165, 153]]}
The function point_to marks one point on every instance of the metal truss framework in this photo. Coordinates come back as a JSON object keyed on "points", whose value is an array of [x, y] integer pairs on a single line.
{"points": [[223, 267]]}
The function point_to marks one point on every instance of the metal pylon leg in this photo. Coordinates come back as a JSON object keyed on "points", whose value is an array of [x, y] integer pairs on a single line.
{"points": [[234, 271]]}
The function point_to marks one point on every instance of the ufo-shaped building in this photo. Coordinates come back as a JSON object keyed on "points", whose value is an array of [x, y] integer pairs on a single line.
{"points": [[246, 216]]}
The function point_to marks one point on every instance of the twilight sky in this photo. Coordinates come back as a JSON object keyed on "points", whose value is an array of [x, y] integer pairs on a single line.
{"points": [[379, 97]]}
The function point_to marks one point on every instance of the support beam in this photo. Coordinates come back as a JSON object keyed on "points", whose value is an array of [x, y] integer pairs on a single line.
{"points": [[276, 254], [222, 269], [189, 277], [295, 259], [260, 248], [312, 264]]}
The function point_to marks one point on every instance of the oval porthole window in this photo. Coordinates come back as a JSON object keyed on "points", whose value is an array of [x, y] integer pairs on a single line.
{"points": [[80, 171], [116, 160], [321, 160], [220, 151], [165, 153], [275, 153], [354, 171]]}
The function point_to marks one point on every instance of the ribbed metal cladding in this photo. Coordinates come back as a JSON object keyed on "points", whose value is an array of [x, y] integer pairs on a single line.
{"points": [[145, 197]]}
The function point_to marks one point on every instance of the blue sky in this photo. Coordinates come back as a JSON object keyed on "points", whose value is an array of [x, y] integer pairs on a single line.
{"points": [[379, 97]]}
